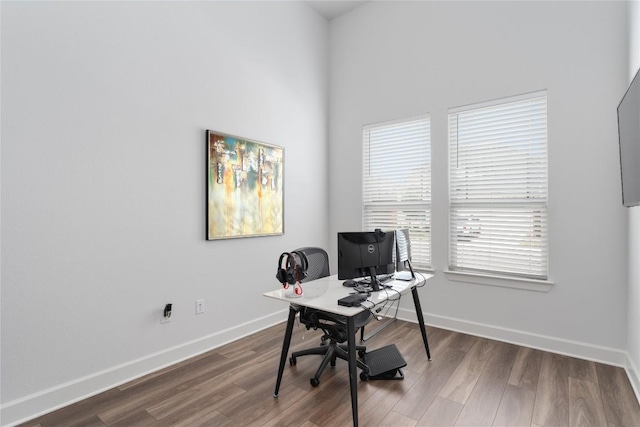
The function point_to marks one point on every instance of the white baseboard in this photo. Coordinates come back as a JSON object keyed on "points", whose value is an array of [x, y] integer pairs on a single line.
{"points": [[634, 376], [23, 409], [36, 404], [609, 356]]}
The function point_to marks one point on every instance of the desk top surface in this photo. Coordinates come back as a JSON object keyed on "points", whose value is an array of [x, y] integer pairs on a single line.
{"points": [[323, 294]]}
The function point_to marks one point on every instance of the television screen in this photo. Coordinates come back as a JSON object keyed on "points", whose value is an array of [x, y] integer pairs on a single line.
{"points": [[629, 139]]}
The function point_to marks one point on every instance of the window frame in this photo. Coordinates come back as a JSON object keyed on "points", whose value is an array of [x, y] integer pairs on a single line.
{"points": [[492, 276], [419, 201]]}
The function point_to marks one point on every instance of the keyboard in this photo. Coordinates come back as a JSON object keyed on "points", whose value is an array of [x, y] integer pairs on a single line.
{"points": [[382, 279]]}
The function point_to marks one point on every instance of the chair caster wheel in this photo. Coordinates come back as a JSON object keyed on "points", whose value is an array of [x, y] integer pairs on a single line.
{"points": [[364, 376], [292, 361], [314, 382]]}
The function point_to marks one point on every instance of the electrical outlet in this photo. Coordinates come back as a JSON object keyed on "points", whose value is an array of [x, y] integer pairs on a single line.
{"points": [[199, 306], [166, 313]]}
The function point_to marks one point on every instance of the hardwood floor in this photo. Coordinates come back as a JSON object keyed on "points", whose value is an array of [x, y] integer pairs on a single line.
{"points": [[471, 381]]}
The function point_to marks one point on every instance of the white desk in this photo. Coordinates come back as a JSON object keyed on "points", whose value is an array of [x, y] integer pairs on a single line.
{"points": [[323, 294]]}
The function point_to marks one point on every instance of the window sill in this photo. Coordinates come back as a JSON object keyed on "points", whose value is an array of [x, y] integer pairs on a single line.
{"points": [[501, 281]]}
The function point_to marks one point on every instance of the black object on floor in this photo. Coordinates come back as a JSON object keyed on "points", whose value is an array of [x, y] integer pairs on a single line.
{"points": [[384, 364]]}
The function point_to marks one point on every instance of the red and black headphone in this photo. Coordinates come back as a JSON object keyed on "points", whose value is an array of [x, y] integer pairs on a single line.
{"points": [[294, 270]]}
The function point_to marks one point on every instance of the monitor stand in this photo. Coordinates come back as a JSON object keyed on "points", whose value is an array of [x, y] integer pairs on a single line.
{"points": [[413, 275], [375, 285]]}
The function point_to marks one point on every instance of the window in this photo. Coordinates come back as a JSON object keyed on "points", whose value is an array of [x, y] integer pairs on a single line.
{"points": [[498, 187], [397, 182]]}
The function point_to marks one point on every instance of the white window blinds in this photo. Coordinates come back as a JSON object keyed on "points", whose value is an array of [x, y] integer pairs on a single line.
{"points": [[498, 187], [397, 182]]}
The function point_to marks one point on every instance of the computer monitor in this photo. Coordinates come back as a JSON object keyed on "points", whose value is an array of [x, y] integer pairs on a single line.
{"points": [[403, 251], [365, 254]]}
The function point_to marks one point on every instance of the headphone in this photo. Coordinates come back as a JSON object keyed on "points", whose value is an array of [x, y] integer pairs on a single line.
{"points": [[292, 271]]}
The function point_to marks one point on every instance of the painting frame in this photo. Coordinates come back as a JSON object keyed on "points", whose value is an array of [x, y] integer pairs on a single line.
{"points": [[244, 187]]}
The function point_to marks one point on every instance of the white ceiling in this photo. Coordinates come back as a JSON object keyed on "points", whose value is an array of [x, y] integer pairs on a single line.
{"points": [[333, 8]]}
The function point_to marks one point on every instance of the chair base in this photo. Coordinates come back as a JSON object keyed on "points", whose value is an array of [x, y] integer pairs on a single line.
{"points": [[331, 352]]}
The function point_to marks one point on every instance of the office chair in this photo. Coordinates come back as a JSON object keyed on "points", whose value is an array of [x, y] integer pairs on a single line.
{"points": [[333, 326]]}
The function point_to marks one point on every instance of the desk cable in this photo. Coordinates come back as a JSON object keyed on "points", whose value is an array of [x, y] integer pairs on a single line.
{"points": [[424, 280], [375, 315], [388, 303]]}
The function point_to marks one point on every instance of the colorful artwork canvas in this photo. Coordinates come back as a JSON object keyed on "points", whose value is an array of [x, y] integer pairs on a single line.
{"points": [[245, 188]]}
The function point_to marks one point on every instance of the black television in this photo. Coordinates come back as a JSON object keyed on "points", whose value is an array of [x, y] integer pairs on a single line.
{"points": [[365, 254], [629, 140]]}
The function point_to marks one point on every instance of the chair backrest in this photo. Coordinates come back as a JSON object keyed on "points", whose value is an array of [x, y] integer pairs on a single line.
{"points": [[333, 325], [318, 261]]}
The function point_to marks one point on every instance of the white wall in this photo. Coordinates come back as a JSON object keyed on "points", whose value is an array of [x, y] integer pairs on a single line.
{"points": [[104, 107], [104, 112], [633, 332], [397, 59]]}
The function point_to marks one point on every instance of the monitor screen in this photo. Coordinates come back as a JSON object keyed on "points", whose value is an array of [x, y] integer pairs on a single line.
{"points": [[365, 254], [403, 251]]}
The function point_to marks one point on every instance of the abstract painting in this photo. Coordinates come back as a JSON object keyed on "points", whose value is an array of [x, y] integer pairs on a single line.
{"points": [[245, 188]]}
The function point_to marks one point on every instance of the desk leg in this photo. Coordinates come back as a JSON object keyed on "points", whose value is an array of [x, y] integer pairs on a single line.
{"points": [[353, 373], [285, 347], [416, 302]]}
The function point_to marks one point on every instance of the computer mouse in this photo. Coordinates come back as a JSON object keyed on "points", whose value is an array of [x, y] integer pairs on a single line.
{"points": [[350, 283]]}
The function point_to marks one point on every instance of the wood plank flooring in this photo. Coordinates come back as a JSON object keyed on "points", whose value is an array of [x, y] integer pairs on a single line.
{"points": [[471, 381]]}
